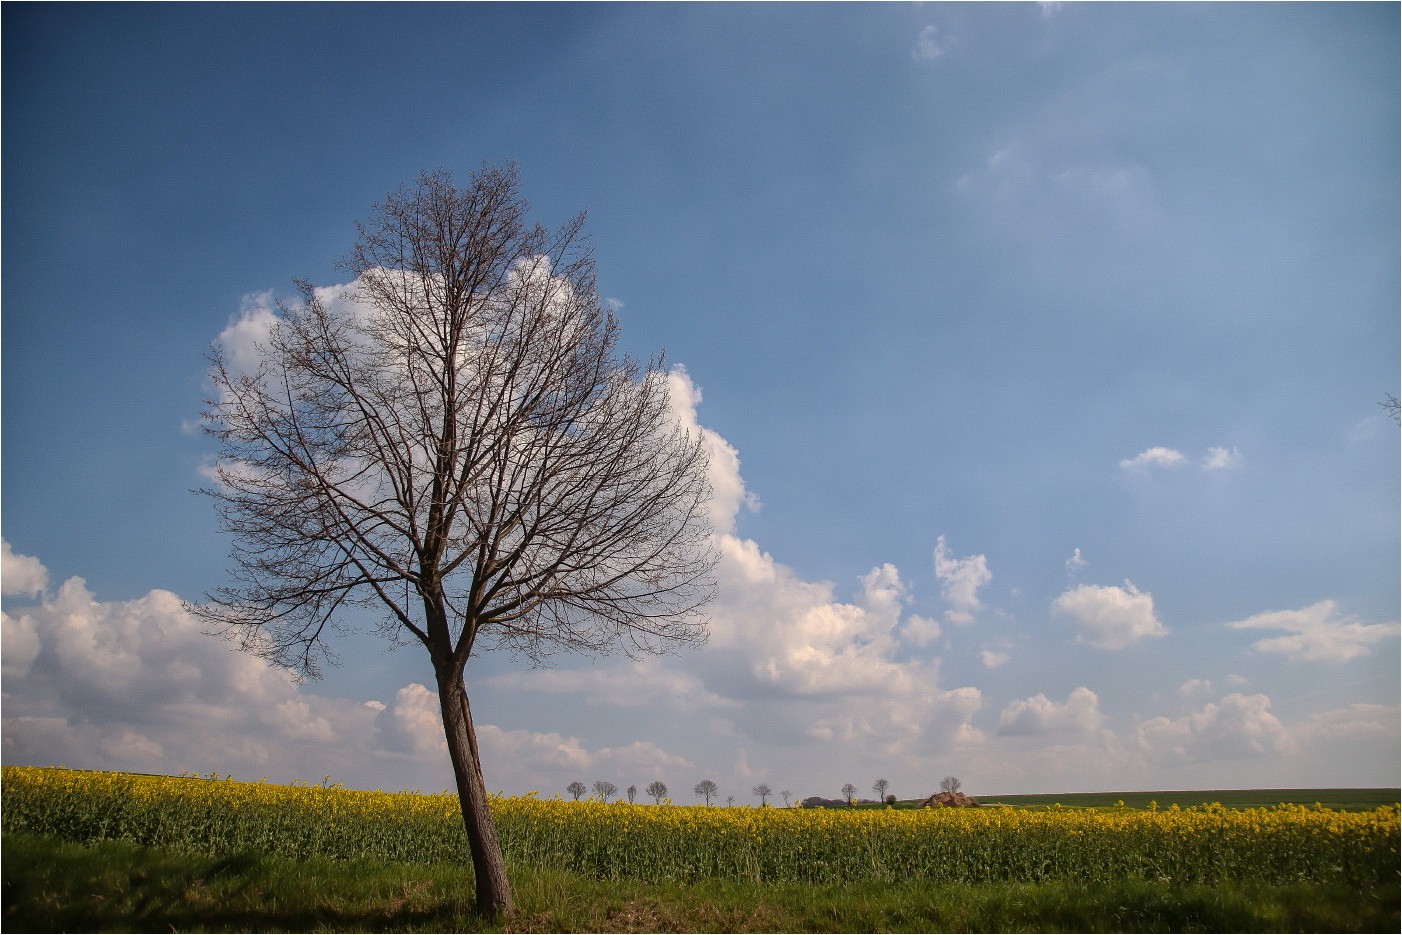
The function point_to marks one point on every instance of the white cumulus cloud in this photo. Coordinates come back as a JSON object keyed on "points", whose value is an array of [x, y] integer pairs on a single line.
{"points": [[21, 575], [1109, 617], [728, 493], [247, 333], [1237, 726], [1079, 713], [993, 658], [1157, 456], [960, 579], [1317, 633]]}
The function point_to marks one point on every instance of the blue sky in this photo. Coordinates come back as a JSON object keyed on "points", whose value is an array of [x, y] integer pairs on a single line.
{"points": [[1039, 347]]}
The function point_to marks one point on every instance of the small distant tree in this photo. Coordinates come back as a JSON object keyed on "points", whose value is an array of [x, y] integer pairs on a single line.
{"points": [[604, 790], [950, 784], [658, 790], [764, 792], [890, 800], [576, 789], [729, 801], [849, 792], [880, 787], [786, 793], [632, 794], [1393, 407], [707, 790]]}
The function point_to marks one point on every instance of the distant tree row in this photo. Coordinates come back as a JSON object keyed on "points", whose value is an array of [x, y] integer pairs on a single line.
{"points": [[706, 789], [849, 791]]}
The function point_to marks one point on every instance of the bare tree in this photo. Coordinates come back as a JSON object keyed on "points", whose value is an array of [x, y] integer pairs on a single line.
{"points": [[1393, 407], [456, 442], [849, 792], [880, 787], [707, 789], [729, 801], [658, 790], [605, 790], [576, 789], [950, 784], [786, 793], [632, 794], [764, 792]]}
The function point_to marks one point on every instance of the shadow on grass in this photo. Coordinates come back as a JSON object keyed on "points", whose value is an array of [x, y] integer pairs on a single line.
{"points": [[120, 887], [51, 885]]}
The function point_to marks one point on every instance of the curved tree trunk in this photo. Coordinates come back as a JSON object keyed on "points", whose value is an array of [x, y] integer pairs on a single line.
{"points": [[493, 891]]}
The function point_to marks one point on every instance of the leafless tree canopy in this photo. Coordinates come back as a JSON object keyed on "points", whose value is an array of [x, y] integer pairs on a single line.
{"points": [[706, 789], [658, 790], [764, 792], [950, 784], [456, 442], [605, 790], [576, 789], [459, 445]]}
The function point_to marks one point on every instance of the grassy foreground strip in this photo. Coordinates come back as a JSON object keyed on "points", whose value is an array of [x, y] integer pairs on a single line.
{"points": [[116, 886]]}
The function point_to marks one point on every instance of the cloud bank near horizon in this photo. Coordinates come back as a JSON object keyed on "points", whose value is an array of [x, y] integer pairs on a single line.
{"points": [[793, 675]]}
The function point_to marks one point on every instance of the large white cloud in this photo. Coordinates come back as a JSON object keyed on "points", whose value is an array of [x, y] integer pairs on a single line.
{"points": [[1080, 713], [138, 685], [21, 575], [821, 668], [1317, 633], [728, 493], [1234, 727], [244, 338], [773, 633], [1109, 617]]}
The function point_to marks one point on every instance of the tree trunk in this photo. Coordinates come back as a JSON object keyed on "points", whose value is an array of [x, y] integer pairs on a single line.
{"points": [[493, 891]]}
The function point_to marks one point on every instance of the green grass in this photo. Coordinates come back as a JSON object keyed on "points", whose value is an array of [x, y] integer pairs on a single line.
{"points": [[117, 886]]}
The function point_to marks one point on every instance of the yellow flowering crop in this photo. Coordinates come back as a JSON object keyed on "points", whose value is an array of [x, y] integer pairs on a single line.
{"points": [[648, 842]]}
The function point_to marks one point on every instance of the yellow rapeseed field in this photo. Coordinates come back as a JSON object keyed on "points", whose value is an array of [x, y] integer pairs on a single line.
{"points": [[1210, 844]]}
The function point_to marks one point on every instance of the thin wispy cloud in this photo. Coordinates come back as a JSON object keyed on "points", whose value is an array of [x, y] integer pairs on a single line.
{"points": [[1317, 633], [928, 45], [1219, 459], [1216, 459]]}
